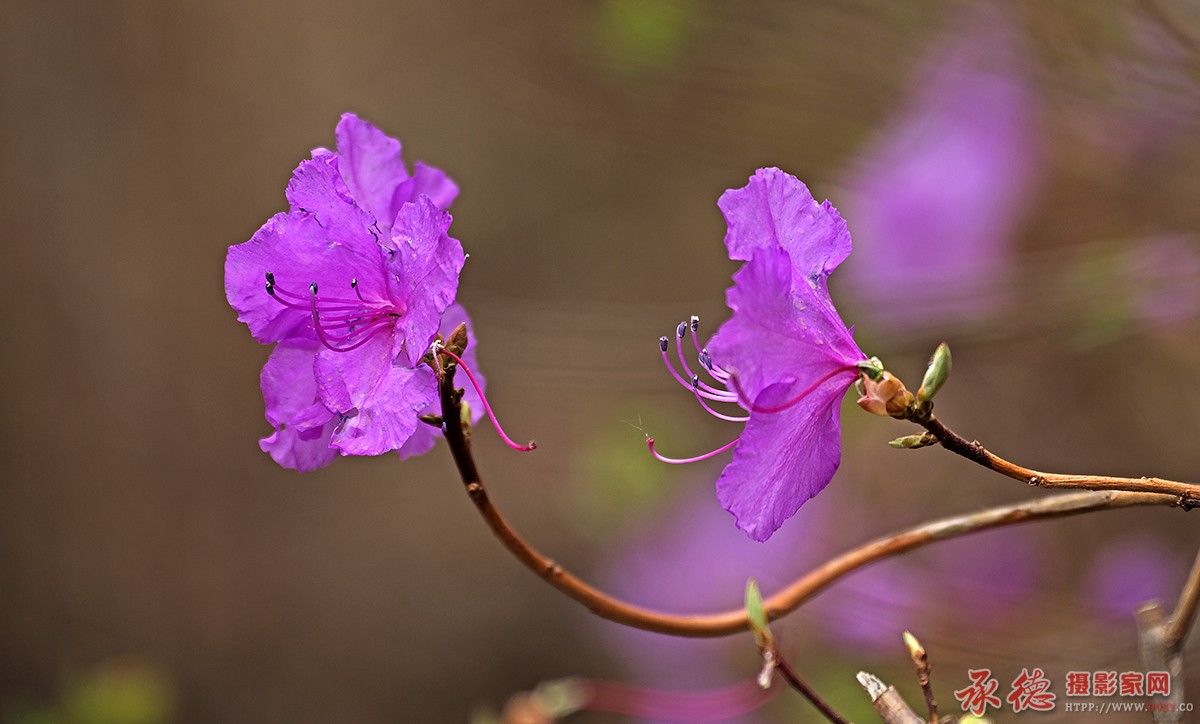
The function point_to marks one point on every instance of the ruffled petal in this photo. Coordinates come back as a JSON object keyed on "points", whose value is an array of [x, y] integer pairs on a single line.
{"points": [[317, 187], [424, 436], [371, 164], [775, 209], [784, 458], [377, 401], [302, 424], [424, 274], [427, 180], [779, 332]]}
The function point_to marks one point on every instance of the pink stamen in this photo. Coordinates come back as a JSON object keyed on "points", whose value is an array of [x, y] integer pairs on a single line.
{"points": [[334, 342], [719, 373], [718, 397], [683, 363], [744, 400], [702, 354], [360, 321], [709, 410], [684, 461], [486, 407]]}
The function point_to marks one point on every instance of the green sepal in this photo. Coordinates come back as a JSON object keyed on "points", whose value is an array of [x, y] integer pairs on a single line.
{"points": [[872, 368]]}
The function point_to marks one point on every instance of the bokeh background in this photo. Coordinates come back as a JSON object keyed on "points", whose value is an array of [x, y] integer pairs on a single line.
{"points": [[1020, 179]]}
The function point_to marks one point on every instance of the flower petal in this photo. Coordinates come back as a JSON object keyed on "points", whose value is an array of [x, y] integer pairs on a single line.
{"points": [[784, 458], [371, 164], [780, 330], [775, 209], [378, 400], [302, 424], [423, 273], [317, 187], [424, 436], [427, 180]]}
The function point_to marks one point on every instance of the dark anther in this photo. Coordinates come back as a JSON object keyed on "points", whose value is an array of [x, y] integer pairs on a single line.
{"points": [[270, 283], [706, 360], [695, 324], [313, 287], [695, 382], [663, 342], [681, 330], [354, 283]]}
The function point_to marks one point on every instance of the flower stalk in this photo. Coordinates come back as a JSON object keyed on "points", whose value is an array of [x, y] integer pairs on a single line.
{"points": [[791, 597]]}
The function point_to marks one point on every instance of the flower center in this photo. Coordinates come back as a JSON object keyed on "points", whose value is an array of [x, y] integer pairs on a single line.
{"points": [[341, 323]]}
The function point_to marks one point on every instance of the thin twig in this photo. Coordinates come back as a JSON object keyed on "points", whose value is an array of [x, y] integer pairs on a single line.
{"points": [[730, 622], [1187, 494], [800, 685], [1185, 611], [920, 661]]}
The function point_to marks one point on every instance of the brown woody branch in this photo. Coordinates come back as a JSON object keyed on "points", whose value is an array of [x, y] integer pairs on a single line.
{"points": [[1187, 495], [457, 433]]}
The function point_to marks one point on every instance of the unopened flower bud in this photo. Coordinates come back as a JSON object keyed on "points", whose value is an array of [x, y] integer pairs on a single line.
{"points": [[457, 343], [758, 617], [936, 375], [913, 442], [886, 396]]}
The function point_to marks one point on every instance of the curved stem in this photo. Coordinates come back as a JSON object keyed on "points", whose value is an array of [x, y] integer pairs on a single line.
{"points": [[791, 597], [1187, 495]]}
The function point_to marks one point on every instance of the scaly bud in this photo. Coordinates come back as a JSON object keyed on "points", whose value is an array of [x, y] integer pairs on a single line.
{"points": [[757, 616], [936, 375], [457, 343], [912, 442], [886, 396]]}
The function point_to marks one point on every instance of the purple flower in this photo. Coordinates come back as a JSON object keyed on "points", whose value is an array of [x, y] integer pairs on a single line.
{"points": [[785, 356], [1131, 571], [939, 195], [353, 283]]}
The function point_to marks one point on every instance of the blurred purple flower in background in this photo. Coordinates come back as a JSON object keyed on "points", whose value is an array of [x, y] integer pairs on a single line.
{"points": [[1131, 571], [938, 195], [353, 283], [785, 355], [1163, 274], [991, 573], [691, 560]]}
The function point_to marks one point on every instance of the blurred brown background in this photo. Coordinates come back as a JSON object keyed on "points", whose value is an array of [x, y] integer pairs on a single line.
{"points": [[156, 566]]}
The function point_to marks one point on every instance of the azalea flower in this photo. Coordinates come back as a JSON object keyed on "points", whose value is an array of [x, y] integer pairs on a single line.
{"points": [[785, 356], [353, 283]]}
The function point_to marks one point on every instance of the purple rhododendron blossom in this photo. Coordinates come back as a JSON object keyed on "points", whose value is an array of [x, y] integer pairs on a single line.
{"points": [[353, 282], [938, 196], [785, 356]]}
